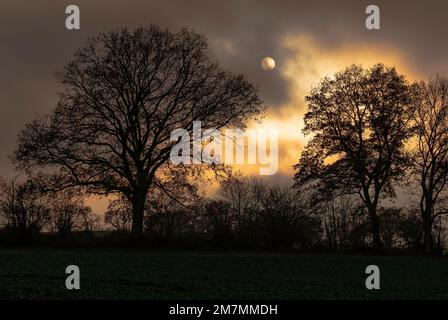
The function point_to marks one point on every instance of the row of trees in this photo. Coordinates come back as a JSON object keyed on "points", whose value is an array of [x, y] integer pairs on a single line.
{"points": [[246, 212], [26, 210], [370, 130]]}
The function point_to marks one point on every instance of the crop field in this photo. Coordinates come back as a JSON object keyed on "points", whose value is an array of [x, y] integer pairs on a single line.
{"points": [[120, 274]]}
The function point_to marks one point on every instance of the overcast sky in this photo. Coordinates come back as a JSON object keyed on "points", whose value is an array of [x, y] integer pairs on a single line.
{"points": [[308, 40]]}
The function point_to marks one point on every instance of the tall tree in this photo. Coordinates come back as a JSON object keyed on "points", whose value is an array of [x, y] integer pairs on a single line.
{"points": [[125, 92], [430, 156], [359, 121]]}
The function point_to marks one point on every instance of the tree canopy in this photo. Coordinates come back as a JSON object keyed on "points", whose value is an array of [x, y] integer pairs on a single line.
{"points": [[359, 121]]}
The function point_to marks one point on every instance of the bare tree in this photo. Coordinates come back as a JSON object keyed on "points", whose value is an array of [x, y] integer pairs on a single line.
{"points": [[284, 221], [430, 155], [344, 222], [68, 212], [360, 123], [392, 223], [23, 207], [172, 211], [125, 92], [89, 220], [411, 230], [256, 213], [218, 215], [235, 189], [119, 215]]}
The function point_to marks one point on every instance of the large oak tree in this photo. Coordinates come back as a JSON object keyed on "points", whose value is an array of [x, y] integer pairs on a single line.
{"points": [[124, 93]]}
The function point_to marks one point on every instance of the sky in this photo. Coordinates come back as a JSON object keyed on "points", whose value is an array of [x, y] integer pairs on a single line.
{"points": [[307, 39]]}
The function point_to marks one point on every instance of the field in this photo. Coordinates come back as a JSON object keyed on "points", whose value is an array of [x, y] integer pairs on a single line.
{"points": [[119, 274]]}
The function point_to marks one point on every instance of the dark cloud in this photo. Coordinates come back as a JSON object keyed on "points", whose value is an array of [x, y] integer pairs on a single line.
{"points": [[34, 43]]}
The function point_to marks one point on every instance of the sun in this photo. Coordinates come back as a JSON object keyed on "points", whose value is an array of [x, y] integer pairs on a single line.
{"points": [[268, 63]]}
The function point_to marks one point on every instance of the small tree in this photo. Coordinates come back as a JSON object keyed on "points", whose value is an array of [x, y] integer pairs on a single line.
{"points": [[235, 189], [89, 221], [119, 215], [68, 211], [172, 210], [344, 221], [24, 207], [284, 221], [411, 229], [219, 217]]}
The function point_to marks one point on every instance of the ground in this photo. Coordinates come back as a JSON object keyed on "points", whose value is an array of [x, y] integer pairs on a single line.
{"points": [[120, 274]]}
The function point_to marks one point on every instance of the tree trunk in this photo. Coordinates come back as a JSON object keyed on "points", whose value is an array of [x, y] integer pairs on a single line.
{"points": [[427, 231], [376, 233], [426, 207], [428, 239], [371, 206], [138, 211], [375, 227]]}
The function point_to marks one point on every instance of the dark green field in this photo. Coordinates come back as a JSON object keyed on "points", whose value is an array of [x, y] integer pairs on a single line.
{"points": [[40, 274]]}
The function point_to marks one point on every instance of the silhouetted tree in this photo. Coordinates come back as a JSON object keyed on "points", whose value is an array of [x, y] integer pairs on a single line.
{"points": [[235, 189], [344, 221], [125, 92], [23, 207], [391, 224], [411, 230], [430, 156], [172, 211], [119, 214], [88, 220], [359, 121], [69, 213], [284, 222], [219, 217]]}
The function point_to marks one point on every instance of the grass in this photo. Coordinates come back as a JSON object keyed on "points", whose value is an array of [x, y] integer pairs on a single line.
{"points": [[118, 274]]}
